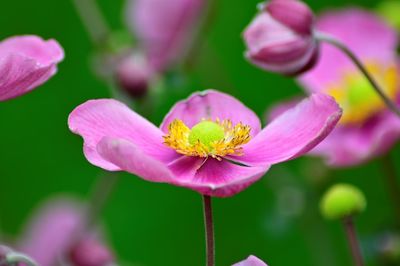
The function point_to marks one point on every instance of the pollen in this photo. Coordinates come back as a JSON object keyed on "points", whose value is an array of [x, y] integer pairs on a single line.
{"points": [[208, 138]]}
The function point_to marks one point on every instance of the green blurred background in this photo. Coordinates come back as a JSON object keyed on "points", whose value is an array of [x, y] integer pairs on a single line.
{"points": [[276, 219]]}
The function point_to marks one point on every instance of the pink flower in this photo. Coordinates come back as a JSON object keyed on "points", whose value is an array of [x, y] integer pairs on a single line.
{"points": [[26, 62], [251, 261], [281, 37], [367, 129], [164, 28], [49, 237], [210, 142]]}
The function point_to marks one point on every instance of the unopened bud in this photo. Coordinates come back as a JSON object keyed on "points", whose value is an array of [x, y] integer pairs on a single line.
{"points": [[281, 39], [90, 252], [134, 75], [341, 201]]}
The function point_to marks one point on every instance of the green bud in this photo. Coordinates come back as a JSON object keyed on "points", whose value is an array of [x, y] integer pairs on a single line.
{"points": [[206, 132], [342, 200]]}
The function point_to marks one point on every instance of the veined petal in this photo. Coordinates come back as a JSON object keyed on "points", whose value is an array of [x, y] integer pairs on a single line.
{"points": [[212, 104], [25, 63], [293, 133], [128, 157], [251, 261], [97, 119], [210, 177]]}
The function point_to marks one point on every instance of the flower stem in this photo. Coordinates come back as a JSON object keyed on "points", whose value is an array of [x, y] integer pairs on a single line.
{"points": [[209, 227], [93, 20], [196, 45], [392, 184], [353, 242], [341, 46], [101, 193], [16, 258]]}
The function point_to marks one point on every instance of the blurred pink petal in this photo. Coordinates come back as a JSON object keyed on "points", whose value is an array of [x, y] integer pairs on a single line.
{"points": [[26, 62], [49, 232], [251, 261], [164, 28], [121, 138], [349, 26]]}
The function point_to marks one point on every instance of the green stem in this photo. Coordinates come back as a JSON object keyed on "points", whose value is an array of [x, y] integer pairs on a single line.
{"points": [[209, 228], [392, 184], [341, 46], [93, 20]]}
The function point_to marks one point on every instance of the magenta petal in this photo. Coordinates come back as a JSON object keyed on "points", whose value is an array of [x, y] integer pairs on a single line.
{"points": [[211, 104], [96, 119], [49, 233], [348, 146], [25, 63], [293, 133], [251, 261], [215, 178], [128, 157]]}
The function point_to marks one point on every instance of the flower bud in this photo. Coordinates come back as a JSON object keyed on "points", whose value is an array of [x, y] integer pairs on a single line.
{"points": [[4, 250], [342, 200], [134, 75], [280, 38], [90, 252]]}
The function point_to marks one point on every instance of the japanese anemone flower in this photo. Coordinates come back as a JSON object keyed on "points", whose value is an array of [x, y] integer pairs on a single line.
{"points": [[209, 142], [367, 128], [251, 261], [26, 62]]}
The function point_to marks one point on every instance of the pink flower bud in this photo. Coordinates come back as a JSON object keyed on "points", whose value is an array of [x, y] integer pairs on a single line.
{"points": [[280, 38], [90, 252], [134, 75]]}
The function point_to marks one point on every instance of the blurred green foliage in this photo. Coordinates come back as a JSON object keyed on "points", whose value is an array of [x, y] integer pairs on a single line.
{"points": [[276, 219]]}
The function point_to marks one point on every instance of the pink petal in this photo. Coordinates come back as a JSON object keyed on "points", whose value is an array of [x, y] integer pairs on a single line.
{"points": [[211, 104], [25, 63], [49, 233], [222, 178], [214, 178], [164, 28], [349, 146], [96, 119], [128, 157], [251, 261], [356, 28], [293, 133]]}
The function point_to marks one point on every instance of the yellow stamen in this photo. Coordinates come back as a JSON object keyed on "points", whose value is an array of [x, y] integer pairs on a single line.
{"points": [[205, 139]]}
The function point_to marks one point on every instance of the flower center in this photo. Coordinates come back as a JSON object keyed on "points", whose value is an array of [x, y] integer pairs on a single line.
{"points": [[207, 138], [206, 132], [357, 97]]}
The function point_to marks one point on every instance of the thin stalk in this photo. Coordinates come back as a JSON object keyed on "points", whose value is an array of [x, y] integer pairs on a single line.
{"points": [[392, 184], [193, 52], [341, 46], [353, 241], [100, 194], [93, 20], [209, 228], [15, 257]]}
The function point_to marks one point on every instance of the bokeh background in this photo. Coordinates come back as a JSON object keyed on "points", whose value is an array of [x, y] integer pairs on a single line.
{"points": [[276, 219]]}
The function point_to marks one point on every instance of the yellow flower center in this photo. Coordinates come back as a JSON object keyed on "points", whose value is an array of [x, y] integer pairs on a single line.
{"points": [[207, 138], [357, 97]]}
